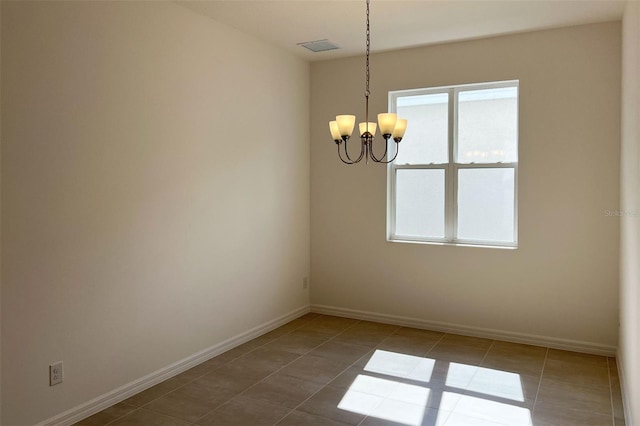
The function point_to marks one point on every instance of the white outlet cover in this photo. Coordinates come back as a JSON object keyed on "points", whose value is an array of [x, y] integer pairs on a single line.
{"points": [[56, 373]]}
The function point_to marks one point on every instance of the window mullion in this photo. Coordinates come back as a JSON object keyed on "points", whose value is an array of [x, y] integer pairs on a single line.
{"points": [[391, 201], [391, 181], [515, 204], [451, 216]]}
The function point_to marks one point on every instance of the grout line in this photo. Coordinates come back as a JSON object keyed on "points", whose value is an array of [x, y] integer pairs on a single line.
{"points": [[435, 344], [147, 409], [116, 419], [544, 364], [493, 342]]}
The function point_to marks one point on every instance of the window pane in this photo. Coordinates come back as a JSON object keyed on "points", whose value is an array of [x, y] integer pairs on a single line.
{"points": [[420, 203], [488, 125], [486, 204], [425, 140]]}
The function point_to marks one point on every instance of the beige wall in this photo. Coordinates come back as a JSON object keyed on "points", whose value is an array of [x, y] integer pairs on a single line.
{"points": [[0, 214], [155, 193], [630, 203], [562, 281]]}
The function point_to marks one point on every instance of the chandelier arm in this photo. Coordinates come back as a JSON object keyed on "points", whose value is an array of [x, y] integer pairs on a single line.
{"points": [[346, 151], [349, 159], [342, 159], [386, 147], [362, 152], [388, 161]]}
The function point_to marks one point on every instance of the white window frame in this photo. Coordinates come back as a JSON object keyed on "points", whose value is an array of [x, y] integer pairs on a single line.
{"points": [[450, 170]]}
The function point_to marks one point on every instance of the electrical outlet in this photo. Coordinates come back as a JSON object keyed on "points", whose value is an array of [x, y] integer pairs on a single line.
{"points": [[55, 373], [305, 282]]}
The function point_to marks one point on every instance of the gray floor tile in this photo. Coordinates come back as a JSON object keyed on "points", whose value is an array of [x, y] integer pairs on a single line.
{"points": [[242, 411], [571, 396], [326, 403], [284, 390], [555, 415], [340, 351], [144, 417], [108, 415], [190, 402], [516, 358], [156, 391], [299, 418], [295, 343], [315, 369]]}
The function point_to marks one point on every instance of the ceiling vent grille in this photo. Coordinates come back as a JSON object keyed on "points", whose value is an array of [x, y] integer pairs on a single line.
{"points": [[319, 45]]}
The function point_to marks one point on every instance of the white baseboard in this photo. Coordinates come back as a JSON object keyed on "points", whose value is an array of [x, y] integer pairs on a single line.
{"points": [[626, 404], [108, 399], [508, 336]]}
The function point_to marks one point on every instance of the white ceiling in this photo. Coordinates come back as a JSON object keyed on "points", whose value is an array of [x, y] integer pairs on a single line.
{"points": [[396, 24]]}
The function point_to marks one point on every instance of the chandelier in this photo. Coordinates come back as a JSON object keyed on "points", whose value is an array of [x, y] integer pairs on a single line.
{"points": [[389, 124]]}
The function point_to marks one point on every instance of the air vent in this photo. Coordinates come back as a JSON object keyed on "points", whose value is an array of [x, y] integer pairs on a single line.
{"points": [[319, 45]]}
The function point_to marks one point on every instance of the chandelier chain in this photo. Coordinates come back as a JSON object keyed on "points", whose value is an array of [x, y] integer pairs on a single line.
{"points": [[367, 73], [368, 50]]}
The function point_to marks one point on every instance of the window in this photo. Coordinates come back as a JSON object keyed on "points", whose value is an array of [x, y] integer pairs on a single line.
{"points": [[455, 178]]}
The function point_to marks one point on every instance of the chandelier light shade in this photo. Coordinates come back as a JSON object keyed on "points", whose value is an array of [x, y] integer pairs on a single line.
{"points": [[390, 126]]}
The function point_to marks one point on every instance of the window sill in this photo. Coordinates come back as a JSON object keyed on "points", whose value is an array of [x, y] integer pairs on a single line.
{"points": [[444, 243]]}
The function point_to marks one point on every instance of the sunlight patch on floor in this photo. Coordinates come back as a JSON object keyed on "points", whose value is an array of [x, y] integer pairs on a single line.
{"points": [[407, 404], [485, 380], [386, 399], [401, 365]]}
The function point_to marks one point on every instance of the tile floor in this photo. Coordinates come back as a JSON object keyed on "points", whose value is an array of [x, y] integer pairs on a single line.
{"points": [[324, 370]]}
